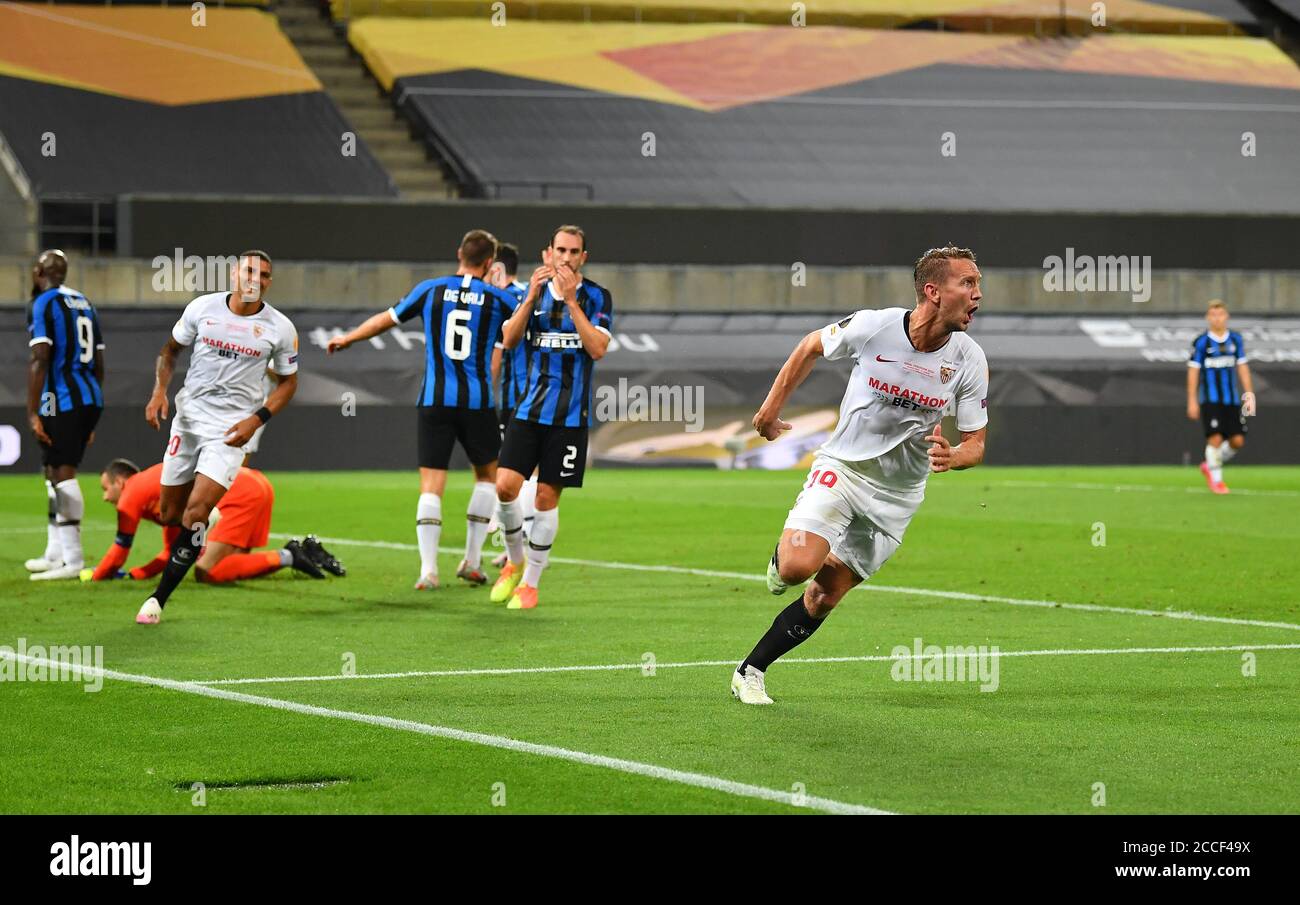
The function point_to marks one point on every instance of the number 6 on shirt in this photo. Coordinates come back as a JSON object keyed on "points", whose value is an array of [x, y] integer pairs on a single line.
{"points": [[456, 341]]}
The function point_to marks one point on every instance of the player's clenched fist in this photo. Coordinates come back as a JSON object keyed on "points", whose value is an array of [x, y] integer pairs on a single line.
{"points": [[242, 432], [337, 344], [1193, 411], [940, 451], [156, 411], [769, 426]]}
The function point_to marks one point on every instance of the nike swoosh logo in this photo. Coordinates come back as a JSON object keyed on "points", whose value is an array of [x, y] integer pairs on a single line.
{"points": [[887, 360], [566, 474]]}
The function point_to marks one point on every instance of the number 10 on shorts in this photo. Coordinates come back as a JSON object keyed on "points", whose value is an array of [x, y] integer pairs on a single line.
{"points": [[824, 477]]}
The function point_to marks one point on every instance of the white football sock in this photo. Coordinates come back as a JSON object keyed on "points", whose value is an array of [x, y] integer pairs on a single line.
{"points": [[53, 549], [1226, 452], [528, 504], [482, 502], [428, 528], [71, 508], [1215, 461], [546, 524], [511, 526]]}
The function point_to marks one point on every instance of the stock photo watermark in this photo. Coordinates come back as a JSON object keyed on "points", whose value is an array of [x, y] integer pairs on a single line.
{"points": [[56, 663], [666, 403], [1104, 273], [953, 663]]}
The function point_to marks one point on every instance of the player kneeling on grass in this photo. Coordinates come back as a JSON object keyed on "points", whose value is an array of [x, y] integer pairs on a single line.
{"points": [[244, 524], [235, 337], [869, 478]]}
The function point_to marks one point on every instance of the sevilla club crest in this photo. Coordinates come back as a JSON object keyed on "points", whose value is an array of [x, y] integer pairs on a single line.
{"points": [[945, 374]]}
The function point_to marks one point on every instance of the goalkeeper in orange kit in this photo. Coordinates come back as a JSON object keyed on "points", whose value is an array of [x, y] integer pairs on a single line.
{"points": [[244, 525]]}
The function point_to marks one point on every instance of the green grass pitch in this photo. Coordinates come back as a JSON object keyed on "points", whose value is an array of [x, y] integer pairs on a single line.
{"points": [[1167, 714]]}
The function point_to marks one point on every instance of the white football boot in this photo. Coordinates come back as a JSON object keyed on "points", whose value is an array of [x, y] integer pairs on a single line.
{"points": [[748, 688], [150, 613], [61, 572], [42, 564]]}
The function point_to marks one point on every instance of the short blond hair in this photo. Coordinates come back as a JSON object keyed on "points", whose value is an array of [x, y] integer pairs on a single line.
{"points": [[932, 267], [1215, 303]]}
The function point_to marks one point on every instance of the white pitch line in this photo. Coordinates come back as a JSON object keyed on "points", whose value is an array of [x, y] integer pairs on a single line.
{"points": [[865, 586], [1138, 488], [699, 780], [618, 667]]}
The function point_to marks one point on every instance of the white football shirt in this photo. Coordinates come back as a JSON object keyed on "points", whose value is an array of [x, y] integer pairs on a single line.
{"points": [[223, 385], [896, 394]]}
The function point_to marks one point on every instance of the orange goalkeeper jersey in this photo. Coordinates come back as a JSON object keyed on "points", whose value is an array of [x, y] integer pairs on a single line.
{"points": [[245, 510]]}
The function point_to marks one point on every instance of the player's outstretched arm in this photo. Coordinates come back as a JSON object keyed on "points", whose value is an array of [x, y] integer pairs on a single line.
{"points": [[156, 411], [795, 370], [36, 373], [966, 454], [373, 326]]}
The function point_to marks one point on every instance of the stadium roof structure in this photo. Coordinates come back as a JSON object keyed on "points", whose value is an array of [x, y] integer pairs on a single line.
{"points": [[737, 114], [1036, 17], [138, 99]]}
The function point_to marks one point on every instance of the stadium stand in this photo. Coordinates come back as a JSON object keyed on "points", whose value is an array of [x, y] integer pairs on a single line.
{"points": [[832, 117], [105, 101], [1036, 17]]}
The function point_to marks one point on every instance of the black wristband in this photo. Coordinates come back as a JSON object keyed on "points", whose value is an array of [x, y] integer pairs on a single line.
{"points": [[264, 414]]}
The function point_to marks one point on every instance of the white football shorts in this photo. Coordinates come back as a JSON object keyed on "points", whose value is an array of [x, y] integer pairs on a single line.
{"points": [[863, 522], [187, 454]]}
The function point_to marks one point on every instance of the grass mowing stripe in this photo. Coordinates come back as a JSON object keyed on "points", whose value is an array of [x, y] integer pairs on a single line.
{"points": [[615, 667], [865, 586], [699, 780], [1141, 488]]}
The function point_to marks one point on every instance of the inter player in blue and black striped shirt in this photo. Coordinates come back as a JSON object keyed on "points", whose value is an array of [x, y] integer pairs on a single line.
{"points": [[1219, 393], [510, 364], [568, 321], [463, 318], [64, 401]]}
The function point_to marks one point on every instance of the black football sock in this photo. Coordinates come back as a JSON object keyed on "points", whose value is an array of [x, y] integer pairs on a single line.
{"points": [[184, 553], [791, 627]]}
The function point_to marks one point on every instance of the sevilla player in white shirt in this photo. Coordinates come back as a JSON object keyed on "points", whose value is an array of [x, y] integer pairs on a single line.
{"points": [[236, 336], [869, 478]]}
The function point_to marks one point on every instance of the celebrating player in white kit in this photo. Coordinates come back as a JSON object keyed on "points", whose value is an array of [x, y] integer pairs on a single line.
{"points": [[236, 336], [869, 478]]}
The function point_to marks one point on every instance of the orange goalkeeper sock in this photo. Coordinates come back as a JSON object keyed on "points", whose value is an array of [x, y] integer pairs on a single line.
{"points": [[244, 565]]}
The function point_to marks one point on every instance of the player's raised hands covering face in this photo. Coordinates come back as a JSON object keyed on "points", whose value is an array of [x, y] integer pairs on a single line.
{"points": [[940, 450], [566, 280]]}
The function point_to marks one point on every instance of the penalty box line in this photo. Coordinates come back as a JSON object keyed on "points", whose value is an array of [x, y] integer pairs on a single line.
{"points": [[667, 774], [865, 586], [621, 667]]}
